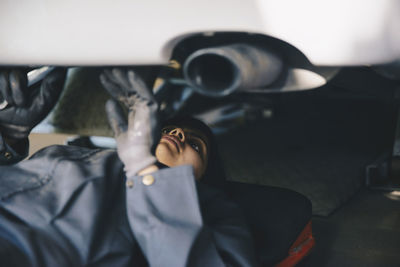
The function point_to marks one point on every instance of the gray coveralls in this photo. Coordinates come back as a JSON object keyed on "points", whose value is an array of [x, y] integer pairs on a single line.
{"points": [[71, 206]]}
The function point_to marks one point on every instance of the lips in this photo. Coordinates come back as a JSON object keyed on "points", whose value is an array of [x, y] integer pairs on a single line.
{"points": [[172, 139]]}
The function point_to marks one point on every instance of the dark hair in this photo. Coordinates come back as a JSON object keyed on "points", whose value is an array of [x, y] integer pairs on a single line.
{"points": [[214, 174]]}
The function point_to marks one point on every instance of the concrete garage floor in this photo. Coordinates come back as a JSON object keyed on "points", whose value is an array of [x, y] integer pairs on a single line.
{"points": [[38, 141], [363, 232]]}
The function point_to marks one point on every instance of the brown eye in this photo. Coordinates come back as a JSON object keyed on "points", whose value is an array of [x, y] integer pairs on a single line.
{"points": [[166, 130], [195, 146]]}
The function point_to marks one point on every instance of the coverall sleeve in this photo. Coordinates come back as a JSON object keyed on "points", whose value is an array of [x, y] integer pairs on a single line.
{"points": [[165, 216]]}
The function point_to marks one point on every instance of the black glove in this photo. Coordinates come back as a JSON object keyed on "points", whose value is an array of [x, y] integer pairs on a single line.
{"points": [[26, 107], [137, 137]]}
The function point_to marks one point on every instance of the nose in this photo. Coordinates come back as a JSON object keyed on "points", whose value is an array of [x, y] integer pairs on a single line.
{"points": [[178, 132]]}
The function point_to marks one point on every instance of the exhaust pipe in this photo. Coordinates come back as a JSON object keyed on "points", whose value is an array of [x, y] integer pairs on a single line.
{"points": [[219, 71]]}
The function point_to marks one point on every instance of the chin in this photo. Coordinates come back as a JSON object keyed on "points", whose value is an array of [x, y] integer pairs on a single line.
{"points": [[164, 155]]}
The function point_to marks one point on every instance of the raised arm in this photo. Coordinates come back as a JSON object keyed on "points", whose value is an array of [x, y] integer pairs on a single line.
{"points": [[23, 107], [175, 221]]}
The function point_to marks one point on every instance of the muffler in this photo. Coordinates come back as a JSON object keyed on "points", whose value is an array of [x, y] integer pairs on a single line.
{"points": [[219, 71]]}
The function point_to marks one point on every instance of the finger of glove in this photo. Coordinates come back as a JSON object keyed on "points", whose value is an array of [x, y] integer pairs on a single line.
{"points": [[141, 121], [116, 83], [19, 87], [116, 117], [50, 90], [5, 89], [121, 76], [111, 85], [140, 87]]}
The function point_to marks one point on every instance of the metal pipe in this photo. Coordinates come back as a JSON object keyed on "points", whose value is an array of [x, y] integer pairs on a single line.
{"points": [[219, 71]]}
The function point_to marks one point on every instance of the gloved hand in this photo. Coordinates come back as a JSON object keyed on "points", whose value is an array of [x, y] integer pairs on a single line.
{"points": [[26, 107], [137, 137]]}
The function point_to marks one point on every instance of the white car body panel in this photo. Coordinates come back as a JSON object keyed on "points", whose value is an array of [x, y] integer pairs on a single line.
{"points": [[119, 32]]}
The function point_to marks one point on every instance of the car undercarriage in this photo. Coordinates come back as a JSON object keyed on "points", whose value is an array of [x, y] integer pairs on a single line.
{"points": [[301, 96]]}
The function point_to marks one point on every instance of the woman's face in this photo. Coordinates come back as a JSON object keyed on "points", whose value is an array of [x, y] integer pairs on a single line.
{"points": [[183, 146]]}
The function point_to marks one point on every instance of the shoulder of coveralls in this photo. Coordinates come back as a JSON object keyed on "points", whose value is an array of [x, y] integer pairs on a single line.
{"points": [[59, 163], [64, 152], [9, 155], [60, 156]]}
